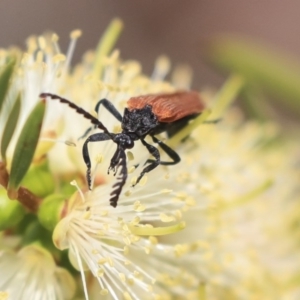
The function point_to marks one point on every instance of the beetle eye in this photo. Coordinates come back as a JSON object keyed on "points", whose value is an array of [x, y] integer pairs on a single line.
{"points": [[152, 117]]}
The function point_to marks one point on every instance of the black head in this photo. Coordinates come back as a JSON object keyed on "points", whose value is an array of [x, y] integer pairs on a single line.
{"points": [[139, 121]]}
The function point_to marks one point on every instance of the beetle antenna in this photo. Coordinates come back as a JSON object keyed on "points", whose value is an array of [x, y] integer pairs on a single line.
{"points": [[97, 137], [121, 180], [78, 109]]}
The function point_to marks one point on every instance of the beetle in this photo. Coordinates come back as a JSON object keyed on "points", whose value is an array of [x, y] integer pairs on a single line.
{"points": [[144, 115]]}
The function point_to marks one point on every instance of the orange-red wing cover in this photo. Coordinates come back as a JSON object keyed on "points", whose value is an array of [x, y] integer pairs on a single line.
{"points": [[169, 107]]}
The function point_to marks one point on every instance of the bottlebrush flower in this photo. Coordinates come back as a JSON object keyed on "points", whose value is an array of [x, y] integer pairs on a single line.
{"points": [[234, 188], [32, 274]]}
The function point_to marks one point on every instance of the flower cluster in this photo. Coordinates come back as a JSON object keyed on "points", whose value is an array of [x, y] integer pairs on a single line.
{"points": [[221, 224]]}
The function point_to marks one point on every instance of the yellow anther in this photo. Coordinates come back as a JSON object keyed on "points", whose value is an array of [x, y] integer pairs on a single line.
{"points": [[75, 34], [165, 218]]}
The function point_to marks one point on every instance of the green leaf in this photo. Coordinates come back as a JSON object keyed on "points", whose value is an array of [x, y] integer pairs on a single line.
{"points": [[25, 148], [5, 76], [10, 126], [263, 67]]}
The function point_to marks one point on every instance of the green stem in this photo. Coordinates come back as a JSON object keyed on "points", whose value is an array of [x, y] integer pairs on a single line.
{"points": [[106, 44], [175, 140], [227, 95]]}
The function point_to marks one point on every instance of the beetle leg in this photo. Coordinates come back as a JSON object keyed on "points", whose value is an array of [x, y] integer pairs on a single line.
{"points": [[110, 107], [154, 163], [114, 162], [171, 153], [86, 133], [121, 180], [97, 137]]}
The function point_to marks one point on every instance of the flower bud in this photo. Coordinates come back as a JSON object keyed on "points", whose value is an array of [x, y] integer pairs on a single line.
{"points": [[50, 211], [11, 211], [39, 180]]}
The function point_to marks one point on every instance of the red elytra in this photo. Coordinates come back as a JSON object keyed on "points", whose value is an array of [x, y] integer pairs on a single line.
{"points": [[169, 107]]}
